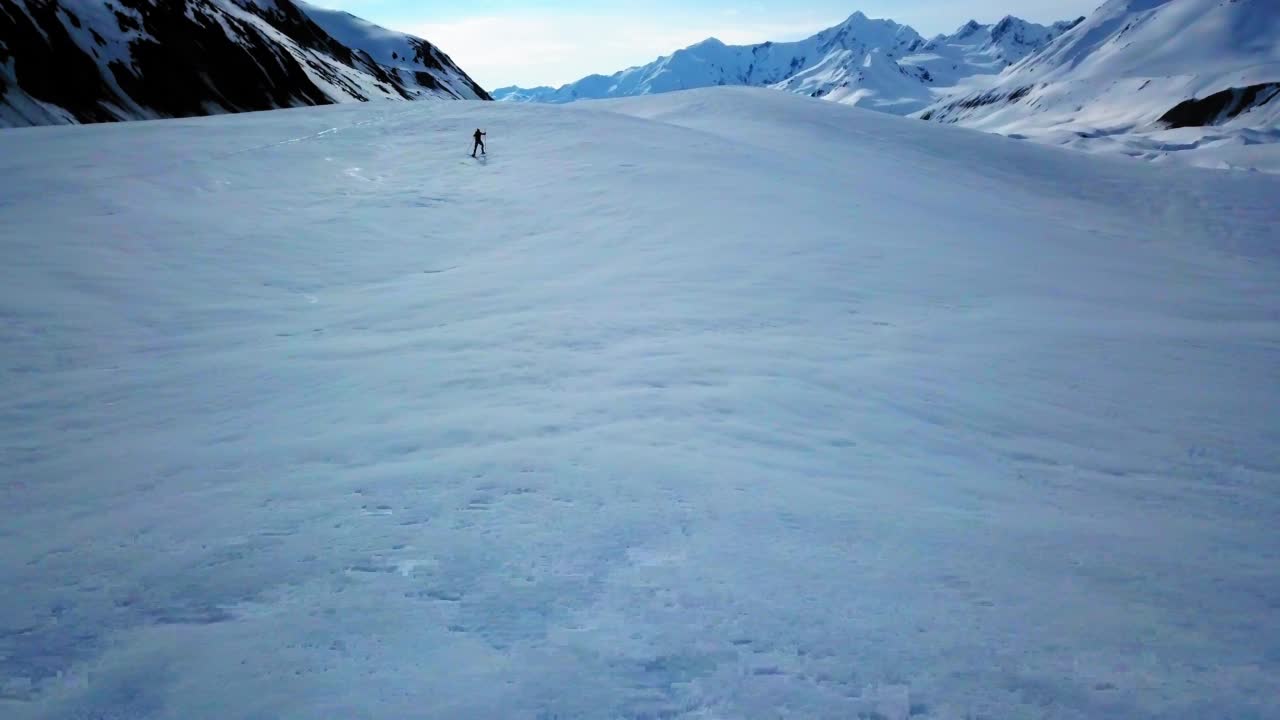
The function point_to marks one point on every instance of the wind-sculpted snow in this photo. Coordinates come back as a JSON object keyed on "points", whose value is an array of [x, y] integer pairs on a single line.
{"points": [[719, 404]]}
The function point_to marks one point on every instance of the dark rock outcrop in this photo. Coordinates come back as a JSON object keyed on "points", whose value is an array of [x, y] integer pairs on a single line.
{"points": [[134, 59], [1220, 107]]}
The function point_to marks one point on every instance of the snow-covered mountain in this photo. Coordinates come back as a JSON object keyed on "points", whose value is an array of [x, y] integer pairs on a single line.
{"points": [[977, 49], [103, 60], [876, 63], [1143, 76]]}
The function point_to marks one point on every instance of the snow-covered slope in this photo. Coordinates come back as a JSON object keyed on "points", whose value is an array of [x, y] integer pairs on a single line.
{"points": [[420, 67], [1136, 68], [875, 63], [102, 60], [720, 404], [980, 50]]}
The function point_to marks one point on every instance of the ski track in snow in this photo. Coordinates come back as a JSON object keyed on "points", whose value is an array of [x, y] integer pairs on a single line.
{"points": [[721, 404]]}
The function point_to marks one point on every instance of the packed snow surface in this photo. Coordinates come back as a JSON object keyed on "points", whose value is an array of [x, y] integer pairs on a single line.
{"points": [[720, 404]]}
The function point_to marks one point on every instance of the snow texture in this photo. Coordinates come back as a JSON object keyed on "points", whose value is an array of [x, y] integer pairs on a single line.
{"points": [[719, 404]]}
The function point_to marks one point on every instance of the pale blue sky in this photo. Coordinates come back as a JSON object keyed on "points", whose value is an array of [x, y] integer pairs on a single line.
{"points": [[521, 42]]}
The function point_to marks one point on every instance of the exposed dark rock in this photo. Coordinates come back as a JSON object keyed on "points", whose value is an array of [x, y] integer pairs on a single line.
{"points": [[991, 97], [47, 63], [288, 19], [426, 79], [1220, 107], [180, 79], [126, 21], [430, 57], [180, 58]]}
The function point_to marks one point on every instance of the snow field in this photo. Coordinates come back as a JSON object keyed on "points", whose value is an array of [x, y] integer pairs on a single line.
{"points": [[720, 404]]}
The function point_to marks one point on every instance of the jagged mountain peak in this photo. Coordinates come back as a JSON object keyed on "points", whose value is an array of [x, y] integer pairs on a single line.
{"points": [[968, 29], [1007, 24], [860, 23], [861, 19], [709, 43]]}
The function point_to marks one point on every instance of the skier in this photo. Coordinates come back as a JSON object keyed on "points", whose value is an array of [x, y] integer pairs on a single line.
{"points": [[479, 142]]}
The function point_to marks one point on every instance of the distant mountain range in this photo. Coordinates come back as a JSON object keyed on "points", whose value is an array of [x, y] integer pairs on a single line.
{"points": [[67, 61], [876, 63], [1143, 78]]}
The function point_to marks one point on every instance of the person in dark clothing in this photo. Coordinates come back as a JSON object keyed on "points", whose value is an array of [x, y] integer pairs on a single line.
{"points": [[479, 142]]}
